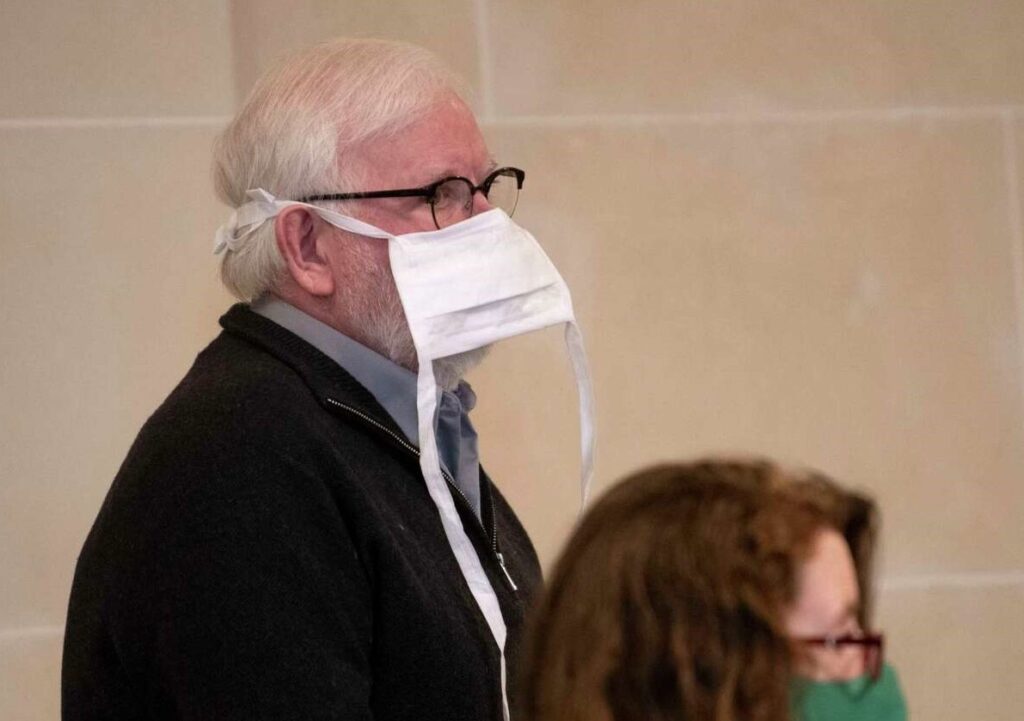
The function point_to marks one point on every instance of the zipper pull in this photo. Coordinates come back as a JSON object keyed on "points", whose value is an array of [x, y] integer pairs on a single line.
{"points": [[501, 562]]}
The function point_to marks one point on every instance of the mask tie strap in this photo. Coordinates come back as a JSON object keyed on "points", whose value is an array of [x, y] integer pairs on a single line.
{"points": [[585, 389], [462, 547], [261, 206]]}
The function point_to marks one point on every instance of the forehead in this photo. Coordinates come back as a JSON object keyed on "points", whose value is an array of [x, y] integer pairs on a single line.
{"points": [[827, 591], [446, 140]]}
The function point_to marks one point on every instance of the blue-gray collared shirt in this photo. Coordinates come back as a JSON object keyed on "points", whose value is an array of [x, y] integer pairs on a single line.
{"points": [[394, 387]]}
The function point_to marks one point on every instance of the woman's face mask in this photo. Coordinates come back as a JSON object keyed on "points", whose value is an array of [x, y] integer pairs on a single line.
{"points": [[859, 699]]}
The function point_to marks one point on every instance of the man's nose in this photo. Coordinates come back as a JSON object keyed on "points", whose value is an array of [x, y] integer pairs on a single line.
{"points": [[480, 203]]}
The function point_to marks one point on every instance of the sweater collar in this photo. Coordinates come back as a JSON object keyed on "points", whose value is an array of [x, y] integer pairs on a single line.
{"points": [[324, 377]]}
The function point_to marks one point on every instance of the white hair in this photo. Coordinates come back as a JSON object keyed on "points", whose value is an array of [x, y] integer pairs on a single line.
{"points": [[298, 129]]}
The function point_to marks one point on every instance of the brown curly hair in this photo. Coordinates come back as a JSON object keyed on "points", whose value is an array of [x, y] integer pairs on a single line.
{"points": [[667, 602]]}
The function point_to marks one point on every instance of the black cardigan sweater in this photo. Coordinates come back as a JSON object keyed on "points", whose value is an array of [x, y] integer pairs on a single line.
{"points": [[269, 550]]}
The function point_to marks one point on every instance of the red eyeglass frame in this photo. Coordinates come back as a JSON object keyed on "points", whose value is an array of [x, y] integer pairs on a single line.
{"points": [[873, 644]]}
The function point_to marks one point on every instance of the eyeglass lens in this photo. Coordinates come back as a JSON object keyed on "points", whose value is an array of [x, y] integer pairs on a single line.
{"points": [[835, 654], [453, 199]]}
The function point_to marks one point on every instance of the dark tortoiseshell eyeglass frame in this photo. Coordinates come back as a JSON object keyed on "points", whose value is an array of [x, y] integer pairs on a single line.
{"points": [[457, 186]]}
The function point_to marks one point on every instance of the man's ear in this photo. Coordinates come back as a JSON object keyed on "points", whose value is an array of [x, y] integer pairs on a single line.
{"points": [[300, 238]]}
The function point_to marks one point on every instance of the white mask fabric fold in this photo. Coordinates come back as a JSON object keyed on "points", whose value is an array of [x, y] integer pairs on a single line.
{"points": [[463, 287]]}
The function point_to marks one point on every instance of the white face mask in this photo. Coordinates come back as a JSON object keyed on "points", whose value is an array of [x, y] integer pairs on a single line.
{"points": [[462, 287]]}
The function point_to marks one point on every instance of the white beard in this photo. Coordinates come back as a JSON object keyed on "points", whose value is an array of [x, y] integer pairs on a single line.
{"points": [[386, 330], [450, 370]]}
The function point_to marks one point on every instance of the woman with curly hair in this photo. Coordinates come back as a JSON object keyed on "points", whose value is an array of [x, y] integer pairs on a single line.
{"points": [[713, 591]]}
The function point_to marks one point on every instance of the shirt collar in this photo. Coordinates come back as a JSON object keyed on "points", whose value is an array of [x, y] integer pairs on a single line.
{"points": [[392, 385]]}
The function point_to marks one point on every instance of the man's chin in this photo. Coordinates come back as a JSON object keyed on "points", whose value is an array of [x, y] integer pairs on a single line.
{"points": [[448, 371]]}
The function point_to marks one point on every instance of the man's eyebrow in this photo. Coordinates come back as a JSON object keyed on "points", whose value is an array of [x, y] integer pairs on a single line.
{"points": [[435, 174], [432, 175]]}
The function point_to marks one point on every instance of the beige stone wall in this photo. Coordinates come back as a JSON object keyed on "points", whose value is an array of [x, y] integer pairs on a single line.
{"points": [[791, 228]]}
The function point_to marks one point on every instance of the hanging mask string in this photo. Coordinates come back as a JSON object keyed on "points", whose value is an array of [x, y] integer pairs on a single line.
{"points": [[465, 554], [585, 390]]}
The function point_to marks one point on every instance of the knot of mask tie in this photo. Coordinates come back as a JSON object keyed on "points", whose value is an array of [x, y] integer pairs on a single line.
{"points": [[246, 219]]}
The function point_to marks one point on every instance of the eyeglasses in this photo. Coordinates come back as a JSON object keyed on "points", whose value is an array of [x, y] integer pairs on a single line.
{"points": [[872, 645], [451, 198]]}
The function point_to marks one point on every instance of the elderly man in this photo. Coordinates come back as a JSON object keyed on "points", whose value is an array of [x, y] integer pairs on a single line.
{"points": [[303, 528]]}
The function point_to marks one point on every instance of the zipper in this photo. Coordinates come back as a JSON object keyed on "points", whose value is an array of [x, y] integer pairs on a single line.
{"points": [[508, 577], [493, 535]]}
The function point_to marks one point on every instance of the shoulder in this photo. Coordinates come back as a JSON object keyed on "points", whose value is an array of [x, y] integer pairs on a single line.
{"points": [[236, 446]]}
